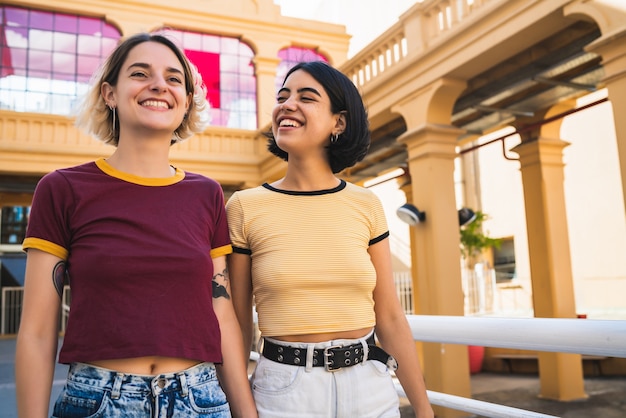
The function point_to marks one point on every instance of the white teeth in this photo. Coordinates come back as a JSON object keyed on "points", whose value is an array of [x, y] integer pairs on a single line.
{"points": [[290, 123], [155, 103]]}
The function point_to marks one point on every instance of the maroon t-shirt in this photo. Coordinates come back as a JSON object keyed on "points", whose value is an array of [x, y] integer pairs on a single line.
{"points": [[139, 260]]}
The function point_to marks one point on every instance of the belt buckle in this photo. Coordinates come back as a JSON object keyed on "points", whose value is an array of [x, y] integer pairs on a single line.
{"points": [[328, 363]]}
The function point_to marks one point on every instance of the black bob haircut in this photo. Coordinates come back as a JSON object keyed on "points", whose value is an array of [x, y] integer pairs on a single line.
{"points": [[352, 145]]}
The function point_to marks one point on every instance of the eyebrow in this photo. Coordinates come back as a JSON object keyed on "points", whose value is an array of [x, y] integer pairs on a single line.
{"points": [[302, 90], [148, 66]]}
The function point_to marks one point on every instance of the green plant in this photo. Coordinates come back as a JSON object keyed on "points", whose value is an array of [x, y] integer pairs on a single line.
{"points": [[473, 240]]}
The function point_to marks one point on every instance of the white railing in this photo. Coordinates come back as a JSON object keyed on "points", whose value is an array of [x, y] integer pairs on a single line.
{"points": [[417, 30], [561, 335], [592, 337]]}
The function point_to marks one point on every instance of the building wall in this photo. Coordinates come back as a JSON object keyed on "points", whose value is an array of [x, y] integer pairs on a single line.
{"points": [[33, 144]]}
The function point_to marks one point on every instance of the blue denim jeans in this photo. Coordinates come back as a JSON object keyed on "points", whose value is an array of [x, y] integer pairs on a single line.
{"points": [[95, 392]]}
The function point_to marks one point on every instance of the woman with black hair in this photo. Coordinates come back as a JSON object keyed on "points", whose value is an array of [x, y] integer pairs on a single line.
{"points": [[312, 251]]}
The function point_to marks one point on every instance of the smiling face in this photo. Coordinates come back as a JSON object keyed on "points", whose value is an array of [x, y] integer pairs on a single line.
{"points": [[150, 91], [302, 119]]}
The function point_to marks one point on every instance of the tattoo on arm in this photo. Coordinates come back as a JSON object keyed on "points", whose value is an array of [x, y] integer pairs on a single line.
{"points": [[59, 277], [220, 285]]}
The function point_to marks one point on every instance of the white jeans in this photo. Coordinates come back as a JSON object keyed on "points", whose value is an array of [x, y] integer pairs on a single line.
{"points": [[361, 391]]}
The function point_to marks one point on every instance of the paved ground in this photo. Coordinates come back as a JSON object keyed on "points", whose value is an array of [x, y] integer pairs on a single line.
{"points": [[607, 395]]}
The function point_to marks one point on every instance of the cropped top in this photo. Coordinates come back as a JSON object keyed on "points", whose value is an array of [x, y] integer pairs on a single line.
{"points": [[139, 255], [311, 270]]}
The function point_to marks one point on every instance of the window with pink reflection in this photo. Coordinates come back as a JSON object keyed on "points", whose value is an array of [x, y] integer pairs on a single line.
{"points": [[226, 66], [47, 58], [292, 56]]}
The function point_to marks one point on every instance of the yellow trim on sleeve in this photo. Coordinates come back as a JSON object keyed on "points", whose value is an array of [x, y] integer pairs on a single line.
{"points": [[46, 246], [220, 251]]}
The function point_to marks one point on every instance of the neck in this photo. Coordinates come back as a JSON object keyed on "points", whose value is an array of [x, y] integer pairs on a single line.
{"points": [[150, 162], [312, 179]]}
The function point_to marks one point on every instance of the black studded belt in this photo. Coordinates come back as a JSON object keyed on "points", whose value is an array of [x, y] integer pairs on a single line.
{"points": [[332, 358]]}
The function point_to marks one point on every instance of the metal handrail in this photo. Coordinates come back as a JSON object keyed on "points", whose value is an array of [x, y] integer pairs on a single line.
{"points": [[481, 408], [561, 335]]}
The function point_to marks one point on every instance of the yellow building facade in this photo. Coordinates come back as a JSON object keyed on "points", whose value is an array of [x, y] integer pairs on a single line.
{"points": [[446, 74]]}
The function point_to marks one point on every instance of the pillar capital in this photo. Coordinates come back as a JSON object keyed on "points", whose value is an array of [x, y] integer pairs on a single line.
{"points": [[543, 150], [431, 140]]}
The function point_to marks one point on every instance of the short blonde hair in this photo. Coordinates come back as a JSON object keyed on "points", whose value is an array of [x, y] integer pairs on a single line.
{"points": [[95, 117]]}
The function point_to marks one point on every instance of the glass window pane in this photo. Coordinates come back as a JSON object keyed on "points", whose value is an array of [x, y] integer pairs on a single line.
{"points": [[89, 26], [82, 79], [211, 43], [290, 57], [40, 20], [47, 70], [16, 37], [18, 60], [64, 64], [245, 50], [65, 23], [219, 60], [40, 39], [16, 17], [87, 66], [65, 42], [110, 31], [229, 46], [108, 45], [192, 41], [39, 61], [88, 45]]}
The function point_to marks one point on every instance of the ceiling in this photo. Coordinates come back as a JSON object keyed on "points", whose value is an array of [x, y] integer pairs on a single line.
{"points": [[521, 87]]}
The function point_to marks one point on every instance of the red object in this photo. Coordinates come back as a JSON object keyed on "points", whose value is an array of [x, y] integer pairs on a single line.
{"points": [[208, 65], [7, 67], [476, 356]]}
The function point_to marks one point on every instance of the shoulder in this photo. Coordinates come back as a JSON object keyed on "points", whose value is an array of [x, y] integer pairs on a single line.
{"points": [[69, 174], [250, 194], [360, 192], [201, 181]]}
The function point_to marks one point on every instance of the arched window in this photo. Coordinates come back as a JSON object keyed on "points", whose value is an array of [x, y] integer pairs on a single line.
{"points": [[228, 72], [47, 58], [290, 57]]}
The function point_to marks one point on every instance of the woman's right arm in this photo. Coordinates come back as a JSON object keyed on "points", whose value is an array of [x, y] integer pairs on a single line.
{"points": [[37, 337], [239, 266]]}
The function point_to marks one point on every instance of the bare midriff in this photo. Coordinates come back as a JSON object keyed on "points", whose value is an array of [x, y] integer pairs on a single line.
{"points": [[330, 336], [149, 366]]}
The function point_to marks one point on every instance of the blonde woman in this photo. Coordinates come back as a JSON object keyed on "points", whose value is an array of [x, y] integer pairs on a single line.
{"points": [[144, 245]]}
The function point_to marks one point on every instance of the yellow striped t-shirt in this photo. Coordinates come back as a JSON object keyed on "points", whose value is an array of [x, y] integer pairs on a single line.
{"points": [[311, 272]]}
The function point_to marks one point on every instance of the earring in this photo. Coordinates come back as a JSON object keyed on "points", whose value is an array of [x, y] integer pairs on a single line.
{"points": [[334, 138], [112, 108]]}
